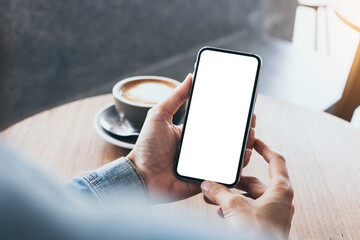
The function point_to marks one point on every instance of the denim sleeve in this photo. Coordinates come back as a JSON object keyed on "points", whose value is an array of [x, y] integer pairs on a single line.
{"points": [[116, 180]]}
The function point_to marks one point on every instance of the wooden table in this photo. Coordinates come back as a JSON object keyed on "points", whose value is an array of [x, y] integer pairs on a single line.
{"points": [[322, 151]]}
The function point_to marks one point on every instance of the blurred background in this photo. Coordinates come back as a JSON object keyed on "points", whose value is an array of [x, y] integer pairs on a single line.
{"points": [[53, 52]]}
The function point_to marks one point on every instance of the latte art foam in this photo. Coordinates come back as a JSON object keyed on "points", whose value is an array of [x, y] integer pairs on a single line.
{"points": [[147, 91]]}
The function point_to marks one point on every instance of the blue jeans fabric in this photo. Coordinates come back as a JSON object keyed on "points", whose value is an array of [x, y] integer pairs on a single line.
{"points": [[116, 180]]}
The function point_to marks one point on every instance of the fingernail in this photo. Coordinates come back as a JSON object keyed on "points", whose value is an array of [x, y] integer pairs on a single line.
{"points": [[205, 186], [220, 213]]}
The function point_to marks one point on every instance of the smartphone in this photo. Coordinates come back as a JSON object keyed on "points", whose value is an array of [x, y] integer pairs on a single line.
{"points": [[218, 116]]}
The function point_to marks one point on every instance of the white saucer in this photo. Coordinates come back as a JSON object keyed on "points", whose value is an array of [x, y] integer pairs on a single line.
{"points": [[125, 142]]}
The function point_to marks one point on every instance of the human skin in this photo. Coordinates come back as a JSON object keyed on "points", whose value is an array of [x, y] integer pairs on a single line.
{"points": [[268, 208], [155, 149]]}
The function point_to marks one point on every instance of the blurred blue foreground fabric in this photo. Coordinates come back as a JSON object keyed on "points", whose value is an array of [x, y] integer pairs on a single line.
{"points": [[107, 203]]}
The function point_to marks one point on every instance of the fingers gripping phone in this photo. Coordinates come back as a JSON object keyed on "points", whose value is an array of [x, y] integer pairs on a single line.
{"points": [[218, 116]]}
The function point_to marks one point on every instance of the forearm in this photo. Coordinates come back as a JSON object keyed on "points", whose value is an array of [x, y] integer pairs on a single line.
{"points": [[116, 180]]}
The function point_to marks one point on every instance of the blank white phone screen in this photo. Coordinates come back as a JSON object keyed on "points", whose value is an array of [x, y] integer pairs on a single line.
{"points": [[216, 123]]}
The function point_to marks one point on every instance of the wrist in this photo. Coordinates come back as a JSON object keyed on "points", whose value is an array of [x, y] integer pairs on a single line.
{"points": [[139, 172], [138, 168], [277, 231]]}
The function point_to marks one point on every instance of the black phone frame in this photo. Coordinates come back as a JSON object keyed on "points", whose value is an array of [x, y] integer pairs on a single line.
{"points": [[248, 123]]}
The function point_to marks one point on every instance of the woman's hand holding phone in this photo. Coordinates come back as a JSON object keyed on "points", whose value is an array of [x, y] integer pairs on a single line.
{"points": [[268, 208], [156, 147]]}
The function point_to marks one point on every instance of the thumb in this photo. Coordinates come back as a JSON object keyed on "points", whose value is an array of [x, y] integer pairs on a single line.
{"points": [[179, 96], [216, 193]]}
